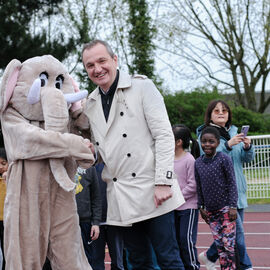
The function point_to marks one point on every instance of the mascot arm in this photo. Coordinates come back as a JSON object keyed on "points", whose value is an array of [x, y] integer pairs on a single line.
{"points": [[26, 141]]}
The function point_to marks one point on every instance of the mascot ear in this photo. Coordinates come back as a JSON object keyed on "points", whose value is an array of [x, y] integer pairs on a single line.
{"points": [[8, 83], [76, 105]]}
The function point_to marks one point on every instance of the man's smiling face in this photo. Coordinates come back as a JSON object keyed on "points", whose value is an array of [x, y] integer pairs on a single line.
{"points": [[100, 66]]}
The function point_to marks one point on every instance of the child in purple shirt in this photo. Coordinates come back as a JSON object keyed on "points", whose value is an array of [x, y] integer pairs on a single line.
{"points": [[186, 216], [217, 196]]}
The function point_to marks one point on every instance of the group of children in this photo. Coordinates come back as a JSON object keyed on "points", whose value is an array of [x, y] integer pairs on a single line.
{"points": [[207, 183]]}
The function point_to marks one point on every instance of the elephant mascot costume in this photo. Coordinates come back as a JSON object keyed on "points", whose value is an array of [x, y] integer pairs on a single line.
{"points": [[37, 104]]}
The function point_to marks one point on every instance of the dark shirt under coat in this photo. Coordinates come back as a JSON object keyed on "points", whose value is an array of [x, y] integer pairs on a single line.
{"points": [[107, 98]]}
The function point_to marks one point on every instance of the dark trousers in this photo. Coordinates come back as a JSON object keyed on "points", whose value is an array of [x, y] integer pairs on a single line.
{"points": [[113, 236], [158, 232], [186, 226], [87, 244]]}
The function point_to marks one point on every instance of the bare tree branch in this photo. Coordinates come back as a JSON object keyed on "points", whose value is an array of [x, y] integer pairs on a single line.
{"points": [[234, 33]]}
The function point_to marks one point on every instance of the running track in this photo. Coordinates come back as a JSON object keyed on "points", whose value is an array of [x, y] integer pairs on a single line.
{"points": [[257, 235]]}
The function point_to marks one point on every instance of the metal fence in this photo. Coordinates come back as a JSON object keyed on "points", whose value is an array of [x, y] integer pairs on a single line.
{"points": [[258, 171]]}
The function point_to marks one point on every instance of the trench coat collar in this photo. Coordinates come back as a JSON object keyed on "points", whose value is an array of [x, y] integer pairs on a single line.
{"points": [[124, 82]]}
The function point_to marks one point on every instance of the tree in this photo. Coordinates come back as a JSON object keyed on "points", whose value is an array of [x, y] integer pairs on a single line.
{"points": [[95, 19], [189, 107], [81, 18], [125, 24], [226, 41], [140, 38], [24, 33]]}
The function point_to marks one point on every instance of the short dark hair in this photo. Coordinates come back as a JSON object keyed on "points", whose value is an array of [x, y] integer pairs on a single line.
{"points": [[94, 42], [212, 104], [3, 153], [211, 130]]}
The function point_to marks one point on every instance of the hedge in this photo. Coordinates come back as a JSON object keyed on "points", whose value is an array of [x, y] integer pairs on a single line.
{"points": [[189, 108]]}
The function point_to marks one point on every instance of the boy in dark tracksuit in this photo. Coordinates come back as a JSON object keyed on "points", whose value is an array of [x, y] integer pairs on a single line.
{"points": [[89, 207], [110, 235]]}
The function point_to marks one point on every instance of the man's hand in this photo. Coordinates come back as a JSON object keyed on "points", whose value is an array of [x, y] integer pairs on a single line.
{"points": [[162, 194], [94, 232], [232, 214]]}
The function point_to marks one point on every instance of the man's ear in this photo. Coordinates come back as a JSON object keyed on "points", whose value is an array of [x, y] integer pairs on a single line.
{"points": [[115, 60], [8, 83]]}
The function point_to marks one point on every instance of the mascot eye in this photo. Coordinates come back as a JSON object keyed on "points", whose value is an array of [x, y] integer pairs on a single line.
{"points": [[59, 82], [43, 78]]}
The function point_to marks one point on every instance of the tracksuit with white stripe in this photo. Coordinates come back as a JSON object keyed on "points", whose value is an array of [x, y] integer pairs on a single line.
{"points": [[186, 216]]}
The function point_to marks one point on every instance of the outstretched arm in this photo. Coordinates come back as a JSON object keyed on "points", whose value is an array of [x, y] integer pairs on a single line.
{"points": [[24, 140]]}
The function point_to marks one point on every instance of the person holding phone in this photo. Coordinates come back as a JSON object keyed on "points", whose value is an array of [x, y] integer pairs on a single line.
{"points": [[244, 130], [218, 114]]}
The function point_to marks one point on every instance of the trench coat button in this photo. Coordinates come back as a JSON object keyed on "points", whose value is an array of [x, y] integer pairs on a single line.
{"points": [[124, 135], [114, 179], [134, 174], [97, 143], [121, 113], [128, 154]]}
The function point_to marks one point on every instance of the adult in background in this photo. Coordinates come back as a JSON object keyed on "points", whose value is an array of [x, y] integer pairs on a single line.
{"points": [[133, 136], [218, 114]]}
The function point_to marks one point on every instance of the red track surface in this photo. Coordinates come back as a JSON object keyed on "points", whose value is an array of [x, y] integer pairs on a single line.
{"points": [[257, 236]]}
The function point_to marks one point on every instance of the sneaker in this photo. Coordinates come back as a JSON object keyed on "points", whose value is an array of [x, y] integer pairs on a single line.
{"points": [[204, 260]]}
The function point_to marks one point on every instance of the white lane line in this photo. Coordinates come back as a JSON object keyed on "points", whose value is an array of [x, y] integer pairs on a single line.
{"points": [[246, 222], [256, 222], [254, 248], [253, 267], [246, 233]]}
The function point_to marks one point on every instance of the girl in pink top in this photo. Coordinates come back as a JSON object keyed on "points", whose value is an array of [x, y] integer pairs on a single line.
{"points": [[186, 216]]}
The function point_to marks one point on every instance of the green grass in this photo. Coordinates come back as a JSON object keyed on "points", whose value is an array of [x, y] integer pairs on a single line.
{"points": [[263, 188], [263, 173], [259, 201]]}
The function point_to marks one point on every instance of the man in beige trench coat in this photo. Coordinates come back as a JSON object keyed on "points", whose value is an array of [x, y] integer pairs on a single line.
{"points": [[133, 136]]}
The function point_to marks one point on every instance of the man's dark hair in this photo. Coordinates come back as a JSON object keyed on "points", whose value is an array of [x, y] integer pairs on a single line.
{"points": [[3, 153], [94, 42]]}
